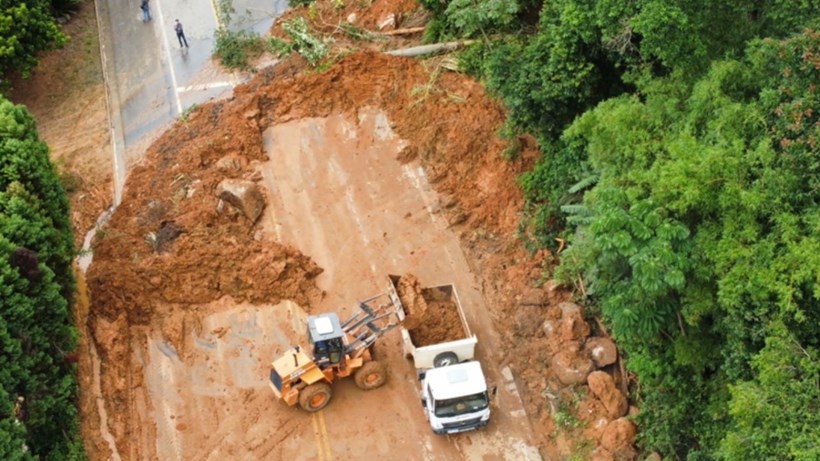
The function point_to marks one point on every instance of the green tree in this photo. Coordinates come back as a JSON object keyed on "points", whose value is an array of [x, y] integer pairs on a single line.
{"points": [[702, 231], [26, 28], [36, 283], [776, 415]]}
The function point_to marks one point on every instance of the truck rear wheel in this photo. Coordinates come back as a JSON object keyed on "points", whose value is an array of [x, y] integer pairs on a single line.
{"points": [[315, 397], [445, 359], [370, 376]]}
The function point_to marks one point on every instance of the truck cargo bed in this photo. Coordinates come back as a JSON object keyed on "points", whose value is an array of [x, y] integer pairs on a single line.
{"points": [[441, 329]]}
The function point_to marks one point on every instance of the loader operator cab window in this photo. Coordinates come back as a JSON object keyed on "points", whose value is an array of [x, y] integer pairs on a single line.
{"points": [[326, 338], [331, 350]]}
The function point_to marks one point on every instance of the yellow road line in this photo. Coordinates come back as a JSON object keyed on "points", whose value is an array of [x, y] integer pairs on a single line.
{"points": [[320, 432], [323, 430]]}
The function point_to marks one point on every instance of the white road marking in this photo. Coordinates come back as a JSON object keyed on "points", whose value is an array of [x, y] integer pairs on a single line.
{"points": [[204, 86], [170, 60]]}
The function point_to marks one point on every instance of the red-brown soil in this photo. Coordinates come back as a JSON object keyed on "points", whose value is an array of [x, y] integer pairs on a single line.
{"points": [[441, 324], [415, 306]]}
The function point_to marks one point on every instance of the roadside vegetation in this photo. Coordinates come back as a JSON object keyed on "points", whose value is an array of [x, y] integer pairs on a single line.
{"points": [[38, 387], [235, 46], [681, 164], [27, 28]]}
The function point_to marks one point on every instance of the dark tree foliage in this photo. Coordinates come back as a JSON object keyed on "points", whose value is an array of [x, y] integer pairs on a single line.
{"points": [[25, 261], [37, 385], [60, 7]]}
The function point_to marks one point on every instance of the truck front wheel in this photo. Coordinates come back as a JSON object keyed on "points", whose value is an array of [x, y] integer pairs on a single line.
{"points": [[445, 359], [370, 376], [315, 397]]}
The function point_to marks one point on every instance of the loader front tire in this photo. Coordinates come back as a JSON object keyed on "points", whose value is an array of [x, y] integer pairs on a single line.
{"points": [[315, 397], [371, 375]]}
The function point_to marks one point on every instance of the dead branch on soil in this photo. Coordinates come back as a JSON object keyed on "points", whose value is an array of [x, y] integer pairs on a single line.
{"points": [[407, 31], [425, 50]]}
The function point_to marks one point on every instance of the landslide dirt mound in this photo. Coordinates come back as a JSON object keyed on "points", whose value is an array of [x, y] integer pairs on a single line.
{"points": [[446, 119]]}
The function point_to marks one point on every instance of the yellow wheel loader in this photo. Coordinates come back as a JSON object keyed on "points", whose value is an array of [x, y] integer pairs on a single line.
{"points": [[337, 350]]}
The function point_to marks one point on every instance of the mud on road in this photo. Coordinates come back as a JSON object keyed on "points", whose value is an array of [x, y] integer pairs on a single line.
{"points": [[358, 184]]}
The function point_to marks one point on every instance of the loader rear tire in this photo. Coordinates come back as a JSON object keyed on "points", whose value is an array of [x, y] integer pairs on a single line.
{"points": [[315, 397], [371, 375]]}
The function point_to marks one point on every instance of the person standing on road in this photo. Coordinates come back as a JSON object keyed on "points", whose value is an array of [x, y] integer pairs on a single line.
{"points": [[146, 11], [180, 34]]}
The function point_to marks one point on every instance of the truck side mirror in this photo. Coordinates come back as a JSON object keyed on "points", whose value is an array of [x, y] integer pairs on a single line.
{"points": [[494, 391], [423, 403]]}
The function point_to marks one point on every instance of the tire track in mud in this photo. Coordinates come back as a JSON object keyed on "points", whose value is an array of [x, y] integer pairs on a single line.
{"points": [[83, 306]]}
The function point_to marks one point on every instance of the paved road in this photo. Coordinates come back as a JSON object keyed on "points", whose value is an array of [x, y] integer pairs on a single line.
{"points": [[151, 79], [337, 194]]}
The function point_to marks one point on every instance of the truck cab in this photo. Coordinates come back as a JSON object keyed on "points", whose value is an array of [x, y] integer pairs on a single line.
{"points": [[455, 398]]}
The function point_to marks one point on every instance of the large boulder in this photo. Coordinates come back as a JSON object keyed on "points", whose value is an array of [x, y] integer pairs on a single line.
{"points": [[573, 326], [602, 350], [603, 387], [572, 364], [619, 439], [243, 195], [565, 325]]}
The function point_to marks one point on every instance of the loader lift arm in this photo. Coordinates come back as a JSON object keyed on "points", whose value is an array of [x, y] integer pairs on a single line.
{"points": [[377, 315]]}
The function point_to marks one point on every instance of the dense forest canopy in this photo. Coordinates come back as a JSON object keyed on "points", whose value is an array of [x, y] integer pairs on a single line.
{"points": [[681, 162]]}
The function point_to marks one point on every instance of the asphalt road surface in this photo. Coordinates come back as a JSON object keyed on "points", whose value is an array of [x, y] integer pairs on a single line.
{"points": [[151, 79]]}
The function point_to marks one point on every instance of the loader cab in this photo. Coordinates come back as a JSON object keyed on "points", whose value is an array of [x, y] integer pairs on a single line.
{"points": [[326, 339]]}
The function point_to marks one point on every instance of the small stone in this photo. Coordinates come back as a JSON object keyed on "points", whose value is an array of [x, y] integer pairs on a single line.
{"points": [[568, 308], [228, 163]]}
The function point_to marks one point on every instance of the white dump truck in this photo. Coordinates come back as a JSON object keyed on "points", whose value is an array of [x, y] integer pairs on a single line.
{"points": [[453, 391]]}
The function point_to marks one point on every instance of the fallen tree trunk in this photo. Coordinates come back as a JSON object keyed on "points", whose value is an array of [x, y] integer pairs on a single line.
{"points": [[409, 30], [430, 49]]}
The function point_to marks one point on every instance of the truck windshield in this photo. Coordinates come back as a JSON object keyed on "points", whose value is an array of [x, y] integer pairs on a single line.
{"points": [[461, 405]]}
